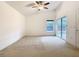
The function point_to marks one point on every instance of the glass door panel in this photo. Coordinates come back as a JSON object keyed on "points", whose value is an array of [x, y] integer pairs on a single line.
{"points": [[64, 27], [61, 27], [58, 28]]}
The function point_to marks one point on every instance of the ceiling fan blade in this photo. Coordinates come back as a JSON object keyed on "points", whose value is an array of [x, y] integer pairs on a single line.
{"points": [[34, 6], [45, 8], [37, 2], [29, 5], [40, 1], [47, 3]]}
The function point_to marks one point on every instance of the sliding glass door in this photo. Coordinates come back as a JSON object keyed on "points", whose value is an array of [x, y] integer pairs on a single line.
{"points": [[58, 28], [61, 27], [64, 27]]}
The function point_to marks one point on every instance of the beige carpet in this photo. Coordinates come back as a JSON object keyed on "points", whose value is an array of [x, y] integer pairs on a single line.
{"points": [[39, 46]]}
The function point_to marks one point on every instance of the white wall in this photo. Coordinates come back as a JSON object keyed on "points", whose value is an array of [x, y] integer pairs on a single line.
{"points": [[11, 25], [36, 24], [68, 9], [77, 23]]}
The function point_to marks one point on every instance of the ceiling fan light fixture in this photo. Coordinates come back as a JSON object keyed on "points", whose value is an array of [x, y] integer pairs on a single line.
{"points": [[39, 5]]}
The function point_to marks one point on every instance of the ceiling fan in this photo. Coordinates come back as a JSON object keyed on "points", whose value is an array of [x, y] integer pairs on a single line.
{"points": [[39, 5]]}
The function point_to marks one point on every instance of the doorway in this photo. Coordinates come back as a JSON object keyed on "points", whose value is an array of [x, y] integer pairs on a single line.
{"points": [[61, 27]]}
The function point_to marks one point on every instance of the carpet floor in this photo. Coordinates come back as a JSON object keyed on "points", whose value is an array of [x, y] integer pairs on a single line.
{"points": [[48, 46]]}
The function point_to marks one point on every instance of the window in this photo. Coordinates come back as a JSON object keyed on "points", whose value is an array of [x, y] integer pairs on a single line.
{"points": [[50, 26]]}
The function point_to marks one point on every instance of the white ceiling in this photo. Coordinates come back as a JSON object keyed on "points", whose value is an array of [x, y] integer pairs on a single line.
{"points": [[28, 11]]}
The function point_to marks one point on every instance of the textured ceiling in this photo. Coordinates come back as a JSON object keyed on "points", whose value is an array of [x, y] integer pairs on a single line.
{"points": [[28, 11]]}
